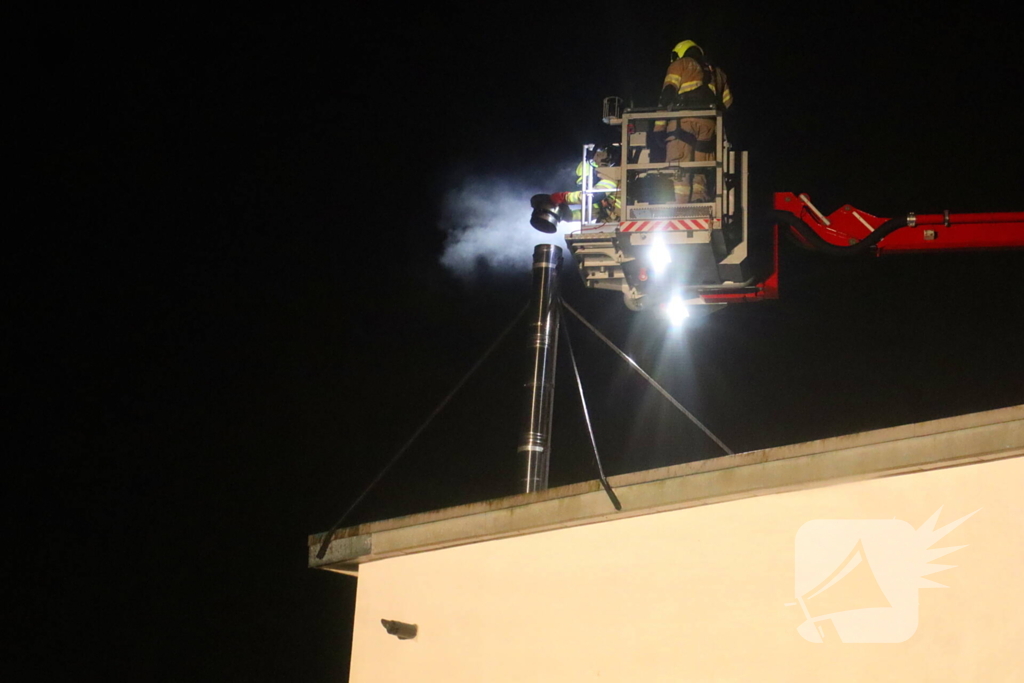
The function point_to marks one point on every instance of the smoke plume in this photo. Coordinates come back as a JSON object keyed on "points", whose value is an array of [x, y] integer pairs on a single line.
{"points": [[488, 223]]}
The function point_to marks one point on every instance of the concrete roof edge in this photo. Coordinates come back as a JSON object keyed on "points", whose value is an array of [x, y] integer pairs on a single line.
{"points": [[886, 434], [355, 544]]}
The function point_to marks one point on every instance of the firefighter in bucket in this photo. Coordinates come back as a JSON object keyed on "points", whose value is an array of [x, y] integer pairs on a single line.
{"points": [[549, 210]]}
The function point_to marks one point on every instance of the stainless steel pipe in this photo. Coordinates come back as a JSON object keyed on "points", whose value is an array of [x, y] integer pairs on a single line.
{"points": [[539, 388]]}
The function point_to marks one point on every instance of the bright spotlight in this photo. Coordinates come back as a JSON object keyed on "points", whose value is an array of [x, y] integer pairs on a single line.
{"points": [[660, 257], [676, 311]]}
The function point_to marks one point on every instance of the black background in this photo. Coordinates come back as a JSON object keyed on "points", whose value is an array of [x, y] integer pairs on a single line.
{"points": [[229, 311]]}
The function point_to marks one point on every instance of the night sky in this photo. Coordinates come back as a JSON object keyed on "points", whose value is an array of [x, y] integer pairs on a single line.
{"points": [[228, 307]]}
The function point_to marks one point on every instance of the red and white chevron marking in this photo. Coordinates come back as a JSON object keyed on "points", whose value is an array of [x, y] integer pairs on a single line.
{"points": [[666, 226]]}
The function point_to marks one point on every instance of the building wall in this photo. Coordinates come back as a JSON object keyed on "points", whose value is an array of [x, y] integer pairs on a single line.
{"points": [[710, 593]]}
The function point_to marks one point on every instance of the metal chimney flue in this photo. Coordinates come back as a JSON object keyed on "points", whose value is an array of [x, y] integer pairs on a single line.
{"points": [[539, 388]]}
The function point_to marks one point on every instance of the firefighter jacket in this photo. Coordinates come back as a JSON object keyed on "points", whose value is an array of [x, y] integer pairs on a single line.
{"points": [[606, 203], [691, 84]]}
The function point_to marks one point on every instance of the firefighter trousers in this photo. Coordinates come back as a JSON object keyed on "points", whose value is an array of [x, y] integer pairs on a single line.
{"points": [[684, 144]]}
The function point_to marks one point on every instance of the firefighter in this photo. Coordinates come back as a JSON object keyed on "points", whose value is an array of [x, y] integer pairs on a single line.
{"points": [[691, 82], [607, 203]]}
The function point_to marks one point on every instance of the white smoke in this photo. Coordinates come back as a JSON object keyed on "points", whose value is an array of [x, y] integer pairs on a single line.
{"points": [[488, 222]]}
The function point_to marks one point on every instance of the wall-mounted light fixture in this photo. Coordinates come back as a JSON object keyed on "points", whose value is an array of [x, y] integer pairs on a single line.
{"points": [[400, 629]]}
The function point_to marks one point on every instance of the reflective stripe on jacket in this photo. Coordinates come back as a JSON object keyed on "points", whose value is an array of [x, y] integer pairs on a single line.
{"points": [[686, 75], [612, 193]]}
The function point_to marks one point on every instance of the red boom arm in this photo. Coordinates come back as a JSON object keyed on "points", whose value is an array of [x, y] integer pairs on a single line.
{"points": [[847, 227]]}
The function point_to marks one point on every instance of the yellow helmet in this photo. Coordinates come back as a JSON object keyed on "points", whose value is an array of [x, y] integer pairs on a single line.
{"points": [[680, 49]]}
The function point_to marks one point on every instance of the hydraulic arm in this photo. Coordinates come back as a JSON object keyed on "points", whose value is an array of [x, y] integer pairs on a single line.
{"points": [[852, 231], [849, 231]]}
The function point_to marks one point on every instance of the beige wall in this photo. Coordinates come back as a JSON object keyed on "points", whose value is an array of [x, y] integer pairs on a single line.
{"points": [[701, 594]]}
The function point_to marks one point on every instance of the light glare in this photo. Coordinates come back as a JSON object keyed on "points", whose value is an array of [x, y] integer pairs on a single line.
{"points": [[677, 311], [660, 257]]}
